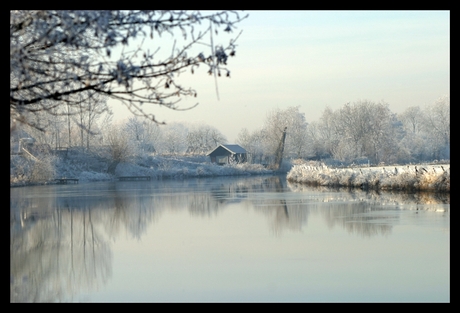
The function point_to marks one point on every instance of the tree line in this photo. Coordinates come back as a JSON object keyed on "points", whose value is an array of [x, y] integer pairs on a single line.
{"points": [[359, 132], [65, 65]]}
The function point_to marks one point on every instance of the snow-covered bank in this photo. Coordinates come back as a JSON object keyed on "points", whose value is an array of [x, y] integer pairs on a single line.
{"points": [[175, 168], [422, 177], [86, 169]]}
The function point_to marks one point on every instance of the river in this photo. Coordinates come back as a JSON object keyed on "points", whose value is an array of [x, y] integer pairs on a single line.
{"points": [[226, 239]]}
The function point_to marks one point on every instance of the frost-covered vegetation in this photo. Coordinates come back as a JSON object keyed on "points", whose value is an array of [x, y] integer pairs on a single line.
{"points": [[186, 166], [63, 61], [66, 65], [407, 178], [92, 167]]}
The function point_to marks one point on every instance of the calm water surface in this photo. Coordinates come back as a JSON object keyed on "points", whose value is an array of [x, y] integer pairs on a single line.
{"points": [[251, 239]]}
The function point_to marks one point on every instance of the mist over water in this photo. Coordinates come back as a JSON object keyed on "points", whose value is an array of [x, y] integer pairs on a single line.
{"points": [[246, 239]]}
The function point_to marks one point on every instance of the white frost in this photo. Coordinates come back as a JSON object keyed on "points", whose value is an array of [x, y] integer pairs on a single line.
{"points": [[409, 177]]}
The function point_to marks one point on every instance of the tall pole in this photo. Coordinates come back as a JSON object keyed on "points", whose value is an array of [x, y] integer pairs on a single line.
{"points": [[68, 125], [280, 150], [81, 124]]}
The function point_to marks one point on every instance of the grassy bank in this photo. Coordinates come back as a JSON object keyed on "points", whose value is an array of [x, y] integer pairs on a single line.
{"points": [[406, 178], [87, 168]]}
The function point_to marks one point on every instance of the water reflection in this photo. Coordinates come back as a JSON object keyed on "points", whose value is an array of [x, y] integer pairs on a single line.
{"points": [[61, 236], [55, 253], [357, 210]]}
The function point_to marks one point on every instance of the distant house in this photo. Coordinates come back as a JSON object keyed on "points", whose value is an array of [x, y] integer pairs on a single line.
{"points": [[225, 154]]}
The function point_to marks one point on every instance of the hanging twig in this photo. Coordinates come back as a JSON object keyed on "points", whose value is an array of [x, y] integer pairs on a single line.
{"points": [[213, 62]]}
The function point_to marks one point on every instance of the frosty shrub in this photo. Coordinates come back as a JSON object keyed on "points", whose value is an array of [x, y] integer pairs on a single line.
{"points": [[427, 178], [200, 171], [25, 170], [19, 169], [119, 148], [165, 165], [42, 169], [185, 171]]}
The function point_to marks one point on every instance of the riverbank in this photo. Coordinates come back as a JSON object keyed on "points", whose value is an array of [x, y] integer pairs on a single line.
{"points": [[87, 169], [405, 178]]}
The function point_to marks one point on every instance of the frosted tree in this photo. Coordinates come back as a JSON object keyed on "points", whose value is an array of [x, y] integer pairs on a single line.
{"points": [[255, 144], [297, 140], [144, 133], [276, 121], [54, 129], [173, 139], [427, 131], [203, 138], [412, 119], [437, 127], [354, 123], [324, 134], [244, 139], [414, 139], [366, 130], [86, 117], [119, 147], [134, 57]]}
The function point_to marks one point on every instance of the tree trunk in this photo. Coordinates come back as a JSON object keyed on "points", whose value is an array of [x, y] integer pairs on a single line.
{"points": [[112, 167], [68, 125]]}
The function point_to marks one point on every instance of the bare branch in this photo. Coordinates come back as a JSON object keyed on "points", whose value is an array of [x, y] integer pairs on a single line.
{"points": [[57, 55]]}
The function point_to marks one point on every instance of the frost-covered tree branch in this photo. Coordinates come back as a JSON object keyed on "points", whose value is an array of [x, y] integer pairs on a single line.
{"points": [[203, 138], [57, 55]]}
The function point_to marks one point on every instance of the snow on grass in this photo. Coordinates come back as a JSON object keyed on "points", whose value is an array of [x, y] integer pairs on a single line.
{"points": [[92, 176], [422, 177], [184, 167], [174, 168], [86, 168]]}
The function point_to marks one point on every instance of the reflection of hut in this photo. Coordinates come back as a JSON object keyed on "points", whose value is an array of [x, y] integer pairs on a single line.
{"points": [[225, 154]]}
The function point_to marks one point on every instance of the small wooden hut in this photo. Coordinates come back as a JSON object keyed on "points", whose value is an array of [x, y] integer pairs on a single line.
{"points": [[226, 154]]}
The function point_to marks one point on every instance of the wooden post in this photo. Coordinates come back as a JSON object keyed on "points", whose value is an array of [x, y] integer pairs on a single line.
{"points": [[279, 151]]}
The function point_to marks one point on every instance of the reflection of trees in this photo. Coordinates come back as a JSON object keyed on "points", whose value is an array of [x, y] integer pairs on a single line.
{"points": [[347, 208], [410, 200], [201, 204], [55, 254], [262, 193], [131, 214], [351, 209], [282, 213], [286, 217], [353, 217], [59, 241], [58, 246], [215, 197]]}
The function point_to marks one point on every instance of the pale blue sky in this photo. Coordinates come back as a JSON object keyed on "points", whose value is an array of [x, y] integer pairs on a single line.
{"points": [[316, 58]]}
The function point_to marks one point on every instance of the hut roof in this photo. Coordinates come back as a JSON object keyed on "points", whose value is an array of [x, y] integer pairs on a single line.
{"points": [[231, 148]]}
